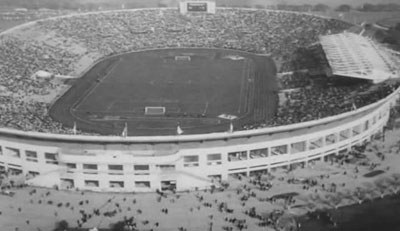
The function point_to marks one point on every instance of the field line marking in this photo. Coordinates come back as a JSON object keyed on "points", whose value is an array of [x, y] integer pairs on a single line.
{"points": [[243, 84], [97, 84]]}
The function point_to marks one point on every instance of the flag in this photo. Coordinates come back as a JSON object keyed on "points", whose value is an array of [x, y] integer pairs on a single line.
{"points": [[231, 128], [74, 128], [179, 130], [354, 106], [125, 131]]}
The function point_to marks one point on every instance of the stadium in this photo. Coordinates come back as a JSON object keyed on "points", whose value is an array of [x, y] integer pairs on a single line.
{"points": [[157, 99]]}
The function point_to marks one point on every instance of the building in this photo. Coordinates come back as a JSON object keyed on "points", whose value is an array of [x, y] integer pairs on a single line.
{"points": [[185, 161]]}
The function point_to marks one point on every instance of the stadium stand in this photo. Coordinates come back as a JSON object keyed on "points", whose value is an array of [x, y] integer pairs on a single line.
{"points": [[107, 33], [356, 56], [317, 116]]}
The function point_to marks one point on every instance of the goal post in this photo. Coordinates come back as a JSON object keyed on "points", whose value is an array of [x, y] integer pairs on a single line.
{"points": [[182, 58], [154, 111]]}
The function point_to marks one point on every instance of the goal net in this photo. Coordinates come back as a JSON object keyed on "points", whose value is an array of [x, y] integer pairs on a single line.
{"points": [[154, 110], [182, 58]]}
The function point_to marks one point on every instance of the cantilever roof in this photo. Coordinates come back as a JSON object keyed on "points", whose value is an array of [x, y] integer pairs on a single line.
{"points": [[356, 56]]}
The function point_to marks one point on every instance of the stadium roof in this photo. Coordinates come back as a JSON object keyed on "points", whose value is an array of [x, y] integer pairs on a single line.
{"points": [[356, 56]]}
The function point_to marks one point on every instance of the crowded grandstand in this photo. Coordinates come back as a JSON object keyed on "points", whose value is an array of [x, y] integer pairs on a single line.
{"points": [[321, 148], [67, 46]]}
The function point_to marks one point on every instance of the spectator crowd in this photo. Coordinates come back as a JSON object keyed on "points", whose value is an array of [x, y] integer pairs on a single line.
{"points": [[279, 34], [324, 100]]}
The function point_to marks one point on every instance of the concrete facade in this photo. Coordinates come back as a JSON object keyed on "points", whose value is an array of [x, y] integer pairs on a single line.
{"points": [[183, 162]]}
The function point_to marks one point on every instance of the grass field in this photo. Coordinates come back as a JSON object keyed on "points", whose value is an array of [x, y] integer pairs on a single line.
{"points": [[156, 79], [194, 93]]}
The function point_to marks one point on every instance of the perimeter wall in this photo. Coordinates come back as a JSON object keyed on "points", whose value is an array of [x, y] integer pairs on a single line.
{"points": [[183, 162]]}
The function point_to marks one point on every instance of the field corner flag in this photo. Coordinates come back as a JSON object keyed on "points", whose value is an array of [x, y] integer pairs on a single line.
{"points": [[125, 131], [179, 130], [74, 128]]}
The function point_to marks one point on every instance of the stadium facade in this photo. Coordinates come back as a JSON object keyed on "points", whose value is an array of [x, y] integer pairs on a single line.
{"points": [[184, 162]]}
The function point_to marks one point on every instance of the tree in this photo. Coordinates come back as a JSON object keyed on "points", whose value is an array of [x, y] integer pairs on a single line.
{"points": [[321, 7], [306, 7], [344, 8], [281, 7], [61, 226], [368, 7], [161, 5], [90, 6]]}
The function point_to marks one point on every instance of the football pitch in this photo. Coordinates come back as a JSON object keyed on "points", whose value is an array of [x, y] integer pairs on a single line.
{"points": [[152, 91]]}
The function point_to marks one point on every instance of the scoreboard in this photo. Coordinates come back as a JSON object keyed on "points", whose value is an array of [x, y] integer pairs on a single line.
{"points": [[193, 6], [197, 7]]}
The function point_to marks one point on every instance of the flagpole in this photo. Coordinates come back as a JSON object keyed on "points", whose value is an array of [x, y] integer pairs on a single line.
{"points": [[231, 127], [354, 106], [74, 128], [125, 131], [179, 130]]}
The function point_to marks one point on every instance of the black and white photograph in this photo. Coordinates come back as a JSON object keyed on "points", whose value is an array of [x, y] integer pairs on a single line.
{"points": [[199, 115]]}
